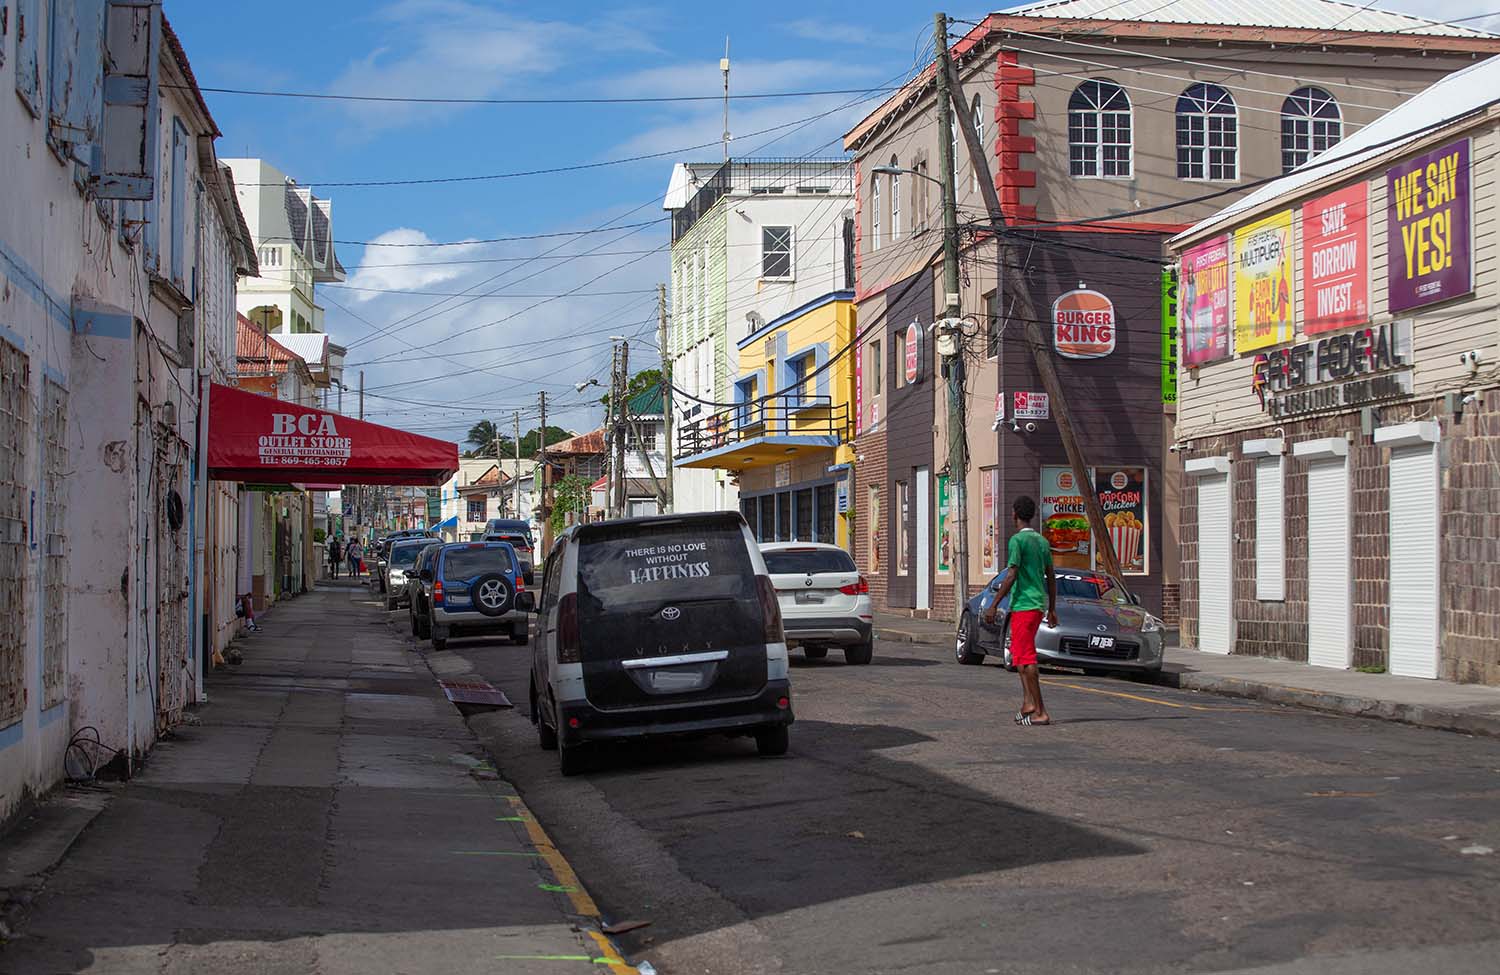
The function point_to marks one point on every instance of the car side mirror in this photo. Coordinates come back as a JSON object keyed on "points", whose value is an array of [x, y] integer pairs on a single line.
{"points": [[1135, 600], [425, 575], [525, 602]]}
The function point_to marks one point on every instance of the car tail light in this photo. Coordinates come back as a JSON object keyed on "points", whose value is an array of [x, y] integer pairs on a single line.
{"points": [[770, 609], [520, 583], [568, 651], [437, 592], [860, 588]]}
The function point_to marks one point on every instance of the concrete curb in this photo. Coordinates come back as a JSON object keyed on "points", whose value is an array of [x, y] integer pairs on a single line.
{"points": [[1350, 705], [1420, 716]]}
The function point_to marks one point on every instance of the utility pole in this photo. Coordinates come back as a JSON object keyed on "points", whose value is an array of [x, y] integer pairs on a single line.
{"points": [[958, 434], [622, 431], [544, 475], [724, 67], [1040, 349], [359, 491], [666, 386], [516, 485]]}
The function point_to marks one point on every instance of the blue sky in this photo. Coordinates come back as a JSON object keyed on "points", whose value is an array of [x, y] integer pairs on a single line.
{"points": [[442, 364], [484, 49]]}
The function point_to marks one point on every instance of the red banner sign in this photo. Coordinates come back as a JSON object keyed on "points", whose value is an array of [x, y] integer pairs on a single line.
{"points": [[1336, 250], [269, 441]]}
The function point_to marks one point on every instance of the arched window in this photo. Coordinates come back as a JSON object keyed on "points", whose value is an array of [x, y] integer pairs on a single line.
{"points": [[1099, 130], [978, 116], [895, 201], [1208, 140], [875, 211], [1310, 123]]}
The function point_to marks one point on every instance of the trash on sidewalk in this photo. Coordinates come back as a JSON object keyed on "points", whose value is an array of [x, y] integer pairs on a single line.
{"points": [[621, 927]]}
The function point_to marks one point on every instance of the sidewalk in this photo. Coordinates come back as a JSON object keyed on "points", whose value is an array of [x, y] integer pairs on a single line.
{"points": [[1442, 705], [328, 811]]}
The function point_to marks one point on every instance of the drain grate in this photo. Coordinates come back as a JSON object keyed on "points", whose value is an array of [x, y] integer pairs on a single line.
{"points": [[475, 692]]}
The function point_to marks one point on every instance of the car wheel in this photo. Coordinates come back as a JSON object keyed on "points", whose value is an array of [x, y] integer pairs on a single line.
{"points": [[966, 643], [570, 758], [859, 654], [545, 735], [814, 653], [439, 643], [773, 740]]}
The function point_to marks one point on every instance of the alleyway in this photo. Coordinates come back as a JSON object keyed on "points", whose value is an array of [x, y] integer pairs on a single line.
{"points": [[330, 813]]}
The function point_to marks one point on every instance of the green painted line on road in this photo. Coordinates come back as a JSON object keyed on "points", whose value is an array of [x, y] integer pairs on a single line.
{"points": [[558, 888], [493, 853], [510, 819]]}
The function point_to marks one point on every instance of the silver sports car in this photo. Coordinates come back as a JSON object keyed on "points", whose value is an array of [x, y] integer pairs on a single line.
{"points": [[1099, 627]]}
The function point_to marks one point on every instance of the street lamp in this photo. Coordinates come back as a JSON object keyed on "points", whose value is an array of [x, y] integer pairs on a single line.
{"points": [[903, 171]]}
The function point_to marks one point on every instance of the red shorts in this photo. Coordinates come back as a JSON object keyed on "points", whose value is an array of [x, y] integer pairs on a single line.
{"points": [[1023, 626]]}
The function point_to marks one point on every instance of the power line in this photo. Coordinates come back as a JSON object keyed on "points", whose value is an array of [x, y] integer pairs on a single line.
{"points": [[487, 240], [596, 100]]}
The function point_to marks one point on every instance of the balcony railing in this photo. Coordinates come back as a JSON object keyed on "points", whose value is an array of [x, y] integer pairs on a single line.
{"points": [[790, 177], [790, 416]]}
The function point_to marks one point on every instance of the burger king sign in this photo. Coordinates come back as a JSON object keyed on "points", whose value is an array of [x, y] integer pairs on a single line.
{"points": [[1083, 325]]}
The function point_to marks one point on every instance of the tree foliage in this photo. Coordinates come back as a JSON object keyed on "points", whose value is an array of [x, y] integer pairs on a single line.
{"points": [[483, 435], [570, 495], [639, 383]]}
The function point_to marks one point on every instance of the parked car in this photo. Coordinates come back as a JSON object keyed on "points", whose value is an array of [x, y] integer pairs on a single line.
{"points": [[401, 558], [1100, 628], [666, 625], [419, 591], [517, 532], [381, 550], [825, 602], [476, 589]]}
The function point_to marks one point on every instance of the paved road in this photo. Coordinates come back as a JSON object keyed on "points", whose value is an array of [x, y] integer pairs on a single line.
{"points": [[913, 827]]}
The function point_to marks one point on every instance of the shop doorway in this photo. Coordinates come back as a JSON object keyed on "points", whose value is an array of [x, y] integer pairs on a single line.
{"points": [[924, 539], [1329, 585], [1415, 556], [1215, 571]]}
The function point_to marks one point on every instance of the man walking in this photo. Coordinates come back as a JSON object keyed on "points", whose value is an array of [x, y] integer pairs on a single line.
{"points": [[1031, 583], [355, 551], [335, 556]]}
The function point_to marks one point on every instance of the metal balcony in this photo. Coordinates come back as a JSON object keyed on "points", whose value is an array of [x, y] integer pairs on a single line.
{"points": [[763, 431]]}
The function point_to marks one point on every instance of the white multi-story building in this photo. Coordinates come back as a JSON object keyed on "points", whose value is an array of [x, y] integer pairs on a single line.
{"points": [[752, 240], [120, 250]]}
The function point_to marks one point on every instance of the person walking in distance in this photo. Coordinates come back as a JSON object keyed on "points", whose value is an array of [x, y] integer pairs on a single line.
{"points": [[1031, 583], [335, 556], [355, 552]]}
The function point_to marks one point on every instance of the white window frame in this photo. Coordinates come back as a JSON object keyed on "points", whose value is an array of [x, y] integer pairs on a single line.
{"points": [[1199, 164], [875, 212], [895, 202], [1304, 121], [976, 114], [1087, 128], [791, 252]]}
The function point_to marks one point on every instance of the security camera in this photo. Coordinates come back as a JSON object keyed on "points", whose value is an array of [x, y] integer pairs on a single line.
{"points": [[1015, 426], [1031, 428], [1174, 448], [1471, 358]]}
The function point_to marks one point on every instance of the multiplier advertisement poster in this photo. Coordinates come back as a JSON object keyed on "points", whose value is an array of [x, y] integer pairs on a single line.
{"points": [[1064, 523], [1263, 281]]}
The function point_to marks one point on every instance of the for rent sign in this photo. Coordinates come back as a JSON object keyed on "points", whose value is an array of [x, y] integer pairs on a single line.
{"points": [[1335, 249], [1427, 228]]}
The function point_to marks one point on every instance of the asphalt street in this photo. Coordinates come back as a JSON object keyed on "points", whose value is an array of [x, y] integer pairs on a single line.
{"points": [[914, 827]]}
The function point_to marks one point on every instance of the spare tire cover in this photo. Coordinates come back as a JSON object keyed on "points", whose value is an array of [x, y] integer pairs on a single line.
{"points": [[491, 594]]}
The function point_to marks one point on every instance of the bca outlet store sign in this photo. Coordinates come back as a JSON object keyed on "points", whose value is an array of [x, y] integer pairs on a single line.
{"points": [[1083, 325]]}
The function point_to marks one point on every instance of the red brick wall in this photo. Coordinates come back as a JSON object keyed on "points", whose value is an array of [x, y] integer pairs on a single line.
{"points": [[1470, 525]]}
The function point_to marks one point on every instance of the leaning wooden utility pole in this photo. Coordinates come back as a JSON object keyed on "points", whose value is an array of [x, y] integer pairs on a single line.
{"points": [[515, 490], [662, 339], [958, 434], [1032, 329], [621, 428], [544, 477]]}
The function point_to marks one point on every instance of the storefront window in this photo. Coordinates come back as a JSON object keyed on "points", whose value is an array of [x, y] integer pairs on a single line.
{"points": [[784, 517], [767, 518], [903, 526], [804, 500], [827, 505], [751, 510]]}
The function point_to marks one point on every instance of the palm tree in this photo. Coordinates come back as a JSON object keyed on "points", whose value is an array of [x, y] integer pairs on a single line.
{"points": [[483, 436]]}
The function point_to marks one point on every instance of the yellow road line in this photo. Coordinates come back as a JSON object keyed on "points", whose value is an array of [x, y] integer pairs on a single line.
{"points": [[568, 883], [1147, 700]]}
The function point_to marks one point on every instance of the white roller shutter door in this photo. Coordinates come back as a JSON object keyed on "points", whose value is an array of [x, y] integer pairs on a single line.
{"points": [[1415, 561], [1215, 579], [1270, 535], [1329, 629]]}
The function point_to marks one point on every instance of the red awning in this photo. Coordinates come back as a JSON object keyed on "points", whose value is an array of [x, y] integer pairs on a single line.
{"points": [[268, 441]]}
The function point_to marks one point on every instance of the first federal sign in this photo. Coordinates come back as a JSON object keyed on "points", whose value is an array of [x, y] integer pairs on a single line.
{"points": [[1344, 370]]}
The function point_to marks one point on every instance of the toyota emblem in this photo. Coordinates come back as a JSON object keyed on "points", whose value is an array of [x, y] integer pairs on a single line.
{"points": [[1101, 628], [670, 613]]}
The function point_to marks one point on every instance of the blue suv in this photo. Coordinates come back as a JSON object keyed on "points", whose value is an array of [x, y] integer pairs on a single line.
{"points": [[478, 589]]}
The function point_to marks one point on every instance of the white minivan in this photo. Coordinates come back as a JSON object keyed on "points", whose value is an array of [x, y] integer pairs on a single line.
{"points": [[666, 625]]}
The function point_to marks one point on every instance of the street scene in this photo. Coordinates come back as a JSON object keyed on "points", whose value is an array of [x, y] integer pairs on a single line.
{"points": [[1017, 495]]}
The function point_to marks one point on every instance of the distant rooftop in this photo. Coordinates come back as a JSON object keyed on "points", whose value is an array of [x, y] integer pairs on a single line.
{"points": [[1323, 15]]}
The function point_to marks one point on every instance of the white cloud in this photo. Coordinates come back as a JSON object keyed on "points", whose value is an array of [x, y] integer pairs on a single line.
{"points": [[837, 32], [386, 264]]}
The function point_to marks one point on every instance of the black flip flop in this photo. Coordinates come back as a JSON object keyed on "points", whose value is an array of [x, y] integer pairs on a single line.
{"points": [[1026, 721]]}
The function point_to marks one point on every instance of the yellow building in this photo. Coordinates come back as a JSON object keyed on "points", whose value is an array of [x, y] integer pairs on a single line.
{"points": [[789, 439]]}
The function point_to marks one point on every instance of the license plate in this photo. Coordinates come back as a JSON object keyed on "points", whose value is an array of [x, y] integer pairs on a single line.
{"points": [[1101, 643], [803, 598], [459, 599]]}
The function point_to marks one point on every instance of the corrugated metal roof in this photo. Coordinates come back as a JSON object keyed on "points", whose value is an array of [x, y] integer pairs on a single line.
{"points": [[1459, 94], [1326, 15], [311, 347], [585, 443]]}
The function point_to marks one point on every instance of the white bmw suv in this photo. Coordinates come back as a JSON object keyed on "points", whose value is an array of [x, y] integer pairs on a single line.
{"points": [[825, 602]]}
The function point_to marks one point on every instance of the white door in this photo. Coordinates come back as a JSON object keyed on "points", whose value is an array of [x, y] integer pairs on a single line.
{"points": [[924, 539], [1215, 576], [1329, 629], [1414, 561]]}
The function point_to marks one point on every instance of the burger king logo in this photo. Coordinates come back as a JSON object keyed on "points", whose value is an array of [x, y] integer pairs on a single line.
{"points": [[1118, 480], [1083, 325], [1065, 481]]}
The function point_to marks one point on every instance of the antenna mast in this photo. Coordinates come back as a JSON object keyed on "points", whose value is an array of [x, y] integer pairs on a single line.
{"points": [[724, 67]]}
